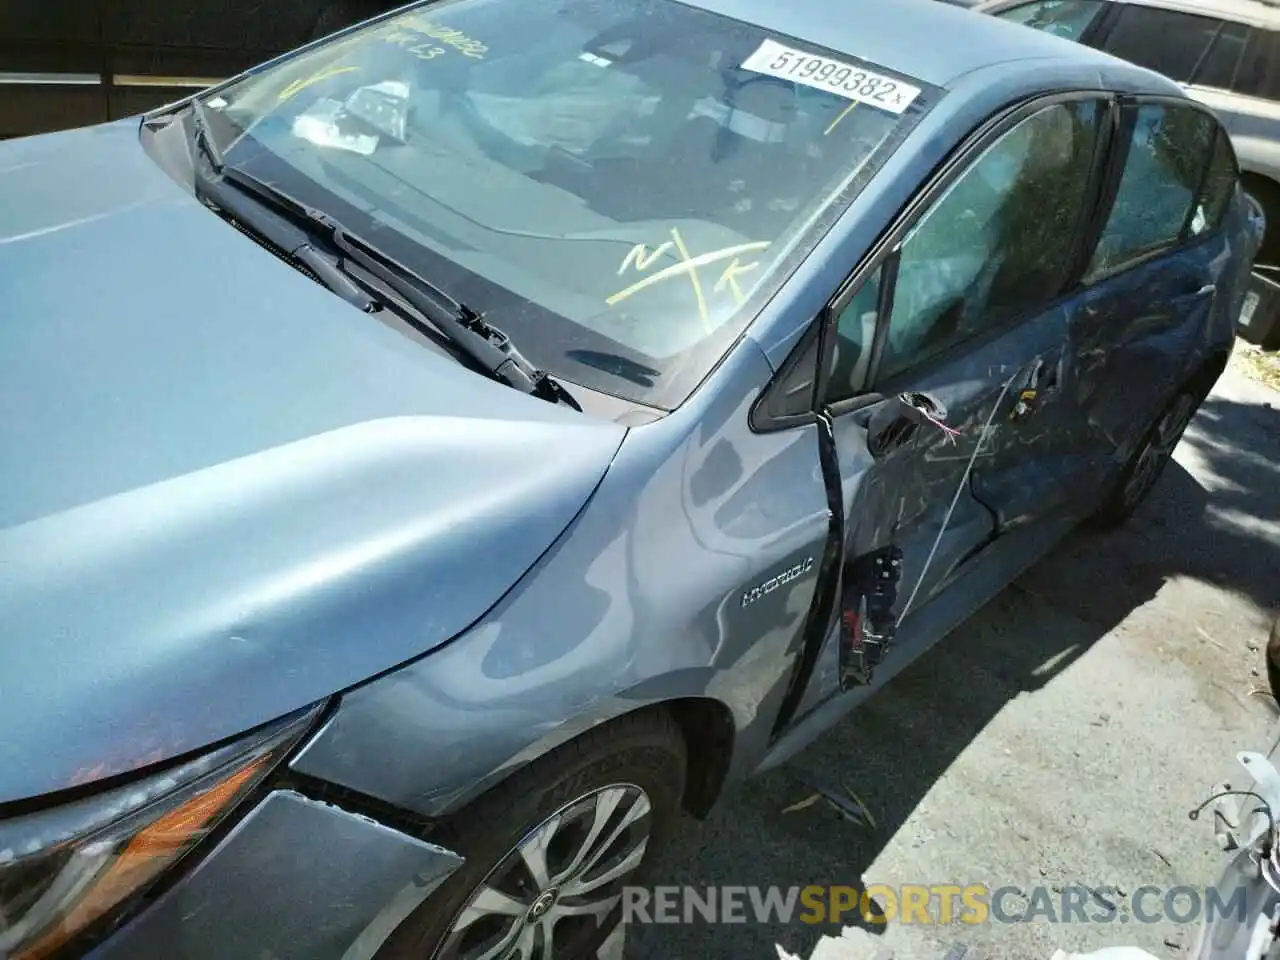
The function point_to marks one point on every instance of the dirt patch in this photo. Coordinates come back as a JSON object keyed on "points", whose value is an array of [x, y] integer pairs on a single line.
{"points": [[1257, 364]]}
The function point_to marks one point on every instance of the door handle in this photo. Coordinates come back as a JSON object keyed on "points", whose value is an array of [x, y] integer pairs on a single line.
{"points": [[1208, 290], [1042, 378]]}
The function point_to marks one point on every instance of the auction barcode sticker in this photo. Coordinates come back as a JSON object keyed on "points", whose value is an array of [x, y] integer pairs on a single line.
{"points": [[773, 59]]}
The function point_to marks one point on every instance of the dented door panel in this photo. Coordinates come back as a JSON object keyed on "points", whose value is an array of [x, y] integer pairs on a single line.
{"points": [[1133, 336]]}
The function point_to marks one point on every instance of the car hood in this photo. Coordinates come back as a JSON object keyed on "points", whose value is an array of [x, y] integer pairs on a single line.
{"points": [[225, 493]]}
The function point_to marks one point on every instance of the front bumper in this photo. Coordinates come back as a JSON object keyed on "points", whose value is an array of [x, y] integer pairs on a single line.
{"points": [[295, 879]]}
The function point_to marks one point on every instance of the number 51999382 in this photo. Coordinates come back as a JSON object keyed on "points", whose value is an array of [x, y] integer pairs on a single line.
{"points": [[826, 73]]}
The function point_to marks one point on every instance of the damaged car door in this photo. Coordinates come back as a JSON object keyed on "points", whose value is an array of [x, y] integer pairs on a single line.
{"points": [[1152, 284], [949, 380]]}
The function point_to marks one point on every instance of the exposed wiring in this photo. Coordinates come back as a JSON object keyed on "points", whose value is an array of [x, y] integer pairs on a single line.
{"points": [[960, 487], [1265, 808], [1268, 863], [949, 432]]}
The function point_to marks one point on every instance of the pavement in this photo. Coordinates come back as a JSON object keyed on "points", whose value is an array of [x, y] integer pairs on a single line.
{"points": [[1058, 738]]}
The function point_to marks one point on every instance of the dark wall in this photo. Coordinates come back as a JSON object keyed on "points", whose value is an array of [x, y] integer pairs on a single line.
{"points": [[131, 46]]}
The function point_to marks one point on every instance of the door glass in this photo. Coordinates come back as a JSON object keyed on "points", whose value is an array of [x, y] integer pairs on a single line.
{"points": [[855, 328], [1218, 69], [1167, 156], [1162, 40], [1062, 18], [1219, 186], [998, 242]]}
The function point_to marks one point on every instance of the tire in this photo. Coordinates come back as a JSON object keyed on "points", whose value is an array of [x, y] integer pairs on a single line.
{"points": [[633, 768], [1136, 480]]}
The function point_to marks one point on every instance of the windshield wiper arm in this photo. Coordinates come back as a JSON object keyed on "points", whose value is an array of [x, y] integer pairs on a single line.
{"points": [[204, 139], [320, 266], [465, 328], [251, 212]]}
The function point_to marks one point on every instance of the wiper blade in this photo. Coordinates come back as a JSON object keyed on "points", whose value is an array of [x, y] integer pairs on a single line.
{"points": [[299, 247], [204, 139], [321, 267], [465, 328]]}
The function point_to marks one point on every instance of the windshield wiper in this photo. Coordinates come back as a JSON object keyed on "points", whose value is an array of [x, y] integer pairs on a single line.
{"points": [[297, 248], [204, 139], [465, 328]]}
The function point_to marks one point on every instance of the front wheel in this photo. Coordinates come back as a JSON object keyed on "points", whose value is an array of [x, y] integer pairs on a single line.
{"points": [[1148, 461], [549, 851]]}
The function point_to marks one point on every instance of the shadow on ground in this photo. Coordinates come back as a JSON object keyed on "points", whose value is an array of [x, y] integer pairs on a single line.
{"points": [[1217, 526]]}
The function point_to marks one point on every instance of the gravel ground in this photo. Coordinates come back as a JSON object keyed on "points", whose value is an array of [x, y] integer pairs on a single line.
{"points": [[1058, 738]]}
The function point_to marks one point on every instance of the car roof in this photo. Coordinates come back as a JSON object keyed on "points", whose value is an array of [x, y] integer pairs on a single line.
{"points": [[931, 41]]}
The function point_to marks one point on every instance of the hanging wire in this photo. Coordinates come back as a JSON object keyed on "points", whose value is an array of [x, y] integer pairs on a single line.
{"points": [[1265, 808], [960, 488]]}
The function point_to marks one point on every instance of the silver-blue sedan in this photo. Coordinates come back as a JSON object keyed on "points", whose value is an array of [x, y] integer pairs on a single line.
{"points": [[435, 458]]}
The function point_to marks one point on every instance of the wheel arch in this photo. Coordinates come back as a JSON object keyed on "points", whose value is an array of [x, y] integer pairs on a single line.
{"points": [[709, 735], [1264, 181], [1266, 190], [706, 724]]}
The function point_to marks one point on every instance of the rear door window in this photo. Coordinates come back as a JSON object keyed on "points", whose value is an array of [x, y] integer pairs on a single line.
{"points": [[1062, 18], [1219, 185], [1166, 41], [1159, 200]]}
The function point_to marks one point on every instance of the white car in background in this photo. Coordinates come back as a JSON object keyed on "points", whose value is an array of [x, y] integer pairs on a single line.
{"points": [[1224, 53]]}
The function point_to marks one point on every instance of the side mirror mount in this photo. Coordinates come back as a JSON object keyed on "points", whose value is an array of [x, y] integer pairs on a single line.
{"points": [[897, 421]]}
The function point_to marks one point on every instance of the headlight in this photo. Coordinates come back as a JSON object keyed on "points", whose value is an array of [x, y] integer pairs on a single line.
{"points": [[66, 867]]}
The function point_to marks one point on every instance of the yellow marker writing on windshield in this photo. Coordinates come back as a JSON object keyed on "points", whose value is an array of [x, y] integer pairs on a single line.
{"points": [[730, 278], [694, 279], [843, 113], [299, 85], [465, 45], [641, 259]]}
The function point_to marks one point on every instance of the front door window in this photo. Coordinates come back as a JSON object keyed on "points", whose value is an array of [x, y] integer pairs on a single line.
{"points": [[994, 248]]}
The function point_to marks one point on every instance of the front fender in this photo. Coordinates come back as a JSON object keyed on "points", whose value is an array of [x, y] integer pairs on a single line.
{"points": [[638, 602]]}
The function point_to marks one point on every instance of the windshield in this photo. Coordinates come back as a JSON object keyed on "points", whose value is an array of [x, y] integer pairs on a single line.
{"points": [[617, 184]]}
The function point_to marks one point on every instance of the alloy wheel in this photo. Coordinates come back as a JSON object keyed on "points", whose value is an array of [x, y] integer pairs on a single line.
{"points": [[558, 885]]}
